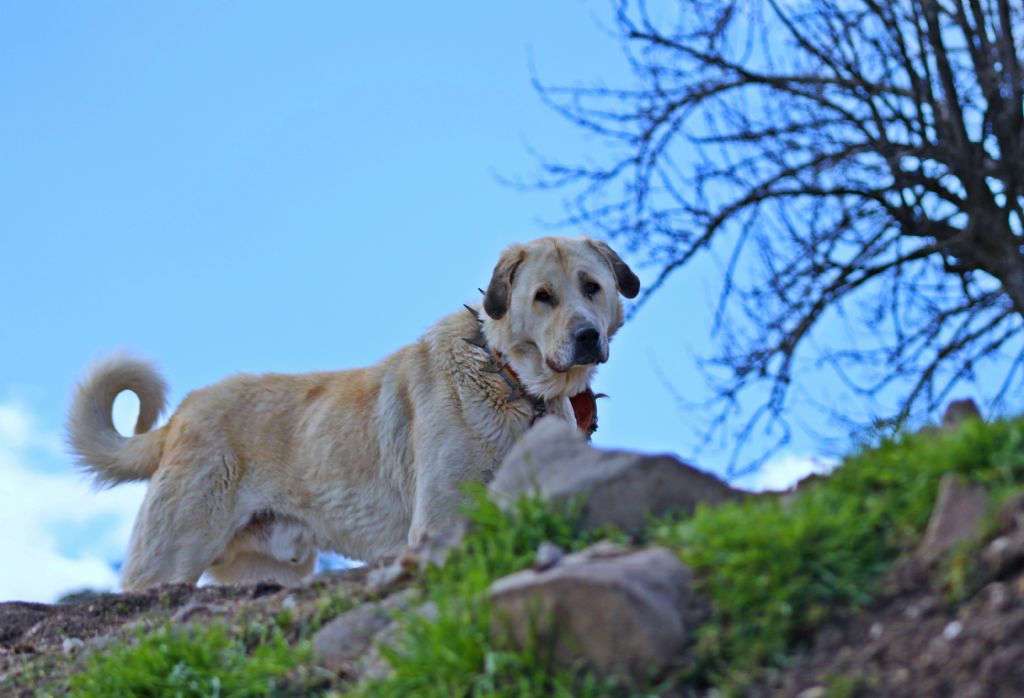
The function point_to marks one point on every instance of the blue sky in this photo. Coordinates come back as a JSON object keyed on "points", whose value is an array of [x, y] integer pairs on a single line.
{"points": [[227, 187]]}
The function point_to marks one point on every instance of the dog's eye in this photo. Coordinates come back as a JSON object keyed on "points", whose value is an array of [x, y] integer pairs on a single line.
{"points": [[543, 297], [590, 289]]}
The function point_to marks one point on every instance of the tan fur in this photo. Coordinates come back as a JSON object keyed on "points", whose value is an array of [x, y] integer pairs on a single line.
{"points": [[254, 474]]}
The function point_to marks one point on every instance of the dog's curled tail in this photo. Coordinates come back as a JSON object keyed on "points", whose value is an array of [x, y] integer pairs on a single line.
{"points": [[91, 435]]}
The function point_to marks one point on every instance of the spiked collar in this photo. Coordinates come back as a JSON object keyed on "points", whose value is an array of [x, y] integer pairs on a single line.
{"points": [[584, 405]]}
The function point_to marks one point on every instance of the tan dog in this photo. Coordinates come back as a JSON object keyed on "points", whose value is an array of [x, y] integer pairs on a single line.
{"points": [[254, 474]]}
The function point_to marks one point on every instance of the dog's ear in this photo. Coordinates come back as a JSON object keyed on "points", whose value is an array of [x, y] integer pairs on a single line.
{"points": [[500, 288], [625, 280]]}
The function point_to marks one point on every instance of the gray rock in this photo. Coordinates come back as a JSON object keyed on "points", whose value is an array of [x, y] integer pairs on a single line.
{"points": [[339, 644], [1004, 554], [71, 645], [548, 555], [372, 665], [100, 642], [813, 692], [620, 488], [956, 517], [196, 609], [958, 412], [624, 614]]}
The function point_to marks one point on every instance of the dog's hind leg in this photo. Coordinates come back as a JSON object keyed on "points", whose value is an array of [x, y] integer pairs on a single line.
{"points": [[183, 525]]}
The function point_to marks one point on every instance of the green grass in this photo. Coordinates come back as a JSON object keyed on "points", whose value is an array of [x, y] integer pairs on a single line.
{"points": [[775, 571], [195, 661], [255, 657]]}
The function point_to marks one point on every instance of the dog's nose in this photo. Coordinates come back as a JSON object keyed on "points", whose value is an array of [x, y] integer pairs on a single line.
{"points": [[587, 340]]}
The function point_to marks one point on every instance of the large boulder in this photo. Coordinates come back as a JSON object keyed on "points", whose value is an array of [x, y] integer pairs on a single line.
{"points": [[624, 613], [620, 488]]}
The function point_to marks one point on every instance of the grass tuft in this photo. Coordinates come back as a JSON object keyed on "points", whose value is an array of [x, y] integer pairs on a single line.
{"points": [[194, 661]]}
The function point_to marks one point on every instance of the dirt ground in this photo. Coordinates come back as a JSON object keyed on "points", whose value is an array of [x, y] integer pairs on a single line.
{"points": [[920, 640], [36, 638]]}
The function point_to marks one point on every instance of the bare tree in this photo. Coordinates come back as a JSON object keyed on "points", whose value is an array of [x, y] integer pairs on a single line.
{"points": [[860, 162]]}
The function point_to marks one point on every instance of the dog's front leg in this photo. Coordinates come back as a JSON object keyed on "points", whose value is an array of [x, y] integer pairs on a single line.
{"points": [[439, 491]]}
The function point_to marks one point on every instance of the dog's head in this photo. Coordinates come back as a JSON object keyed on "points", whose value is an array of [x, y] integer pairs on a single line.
{"points": [[552, 307]]}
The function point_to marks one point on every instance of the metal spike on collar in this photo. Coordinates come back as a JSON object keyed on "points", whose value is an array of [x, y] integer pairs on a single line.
{"points": [[539, 405], [472, 311], [477, 341]]}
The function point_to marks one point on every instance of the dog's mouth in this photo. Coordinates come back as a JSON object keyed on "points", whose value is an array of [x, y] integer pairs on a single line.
{"points": [[555, 367], [582, 361]]}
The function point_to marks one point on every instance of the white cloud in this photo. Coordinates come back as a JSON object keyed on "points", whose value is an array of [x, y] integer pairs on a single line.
{"points": [[783, 472], [15, 426], [58, 534]]}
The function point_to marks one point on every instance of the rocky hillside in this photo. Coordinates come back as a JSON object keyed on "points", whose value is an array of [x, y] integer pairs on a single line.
{"points": [[582, 572]]}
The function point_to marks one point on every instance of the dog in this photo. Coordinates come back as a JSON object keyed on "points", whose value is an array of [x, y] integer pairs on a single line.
{"points": [[252, 476]]}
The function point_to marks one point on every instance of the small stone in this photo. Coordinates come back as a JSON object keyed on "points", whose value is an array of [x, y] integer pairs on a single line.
{"points": [[100, 641], [1004, 554], [953, 630], [289, 603], [372, 665], [813, 692], [192, 610], [341, 642], [875, 631], [548, 555], [72, 645], [998, 596]]}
